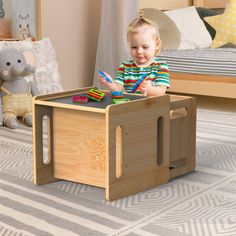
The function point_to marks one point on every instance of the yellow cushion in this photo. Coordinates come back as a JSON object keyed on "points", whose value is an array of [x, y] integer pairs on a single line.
{"points": [[224, 25]]}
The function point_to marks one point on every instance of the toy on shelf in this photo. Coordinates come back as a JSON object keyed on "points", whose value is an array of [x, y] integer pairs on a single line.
{"points": [[96, 95], [101, 73], [80, 99], [120, 100], [117, 94]]}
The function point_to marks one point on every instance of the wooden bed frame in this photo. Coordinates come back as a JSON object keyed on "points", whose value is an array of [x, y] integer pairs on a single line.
{"points": [[209, 85]]}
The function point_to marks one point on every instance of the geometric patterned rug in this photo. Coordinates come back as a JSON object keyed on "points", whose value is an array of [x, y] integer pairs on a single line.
{"points": [[202, 203]]}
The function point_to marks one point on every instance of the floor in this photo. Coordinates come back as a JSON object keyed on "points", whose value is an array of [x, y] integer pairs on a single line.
{"points": [[201, 203]]}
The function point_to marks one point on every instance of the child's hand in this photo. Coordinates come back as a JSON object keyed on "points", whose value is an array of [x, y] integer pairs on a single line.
{"points": [[145, 86], [103, 81]]}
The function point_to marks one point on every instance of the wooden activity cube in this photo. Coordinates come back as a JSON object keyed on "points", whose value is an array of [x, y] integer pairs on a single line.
{"points": [[125, 148]]}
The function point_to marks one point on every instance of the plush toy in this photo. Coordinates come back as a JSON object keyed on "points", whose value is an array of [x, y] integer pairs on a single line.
{"points": [[16, 92]]}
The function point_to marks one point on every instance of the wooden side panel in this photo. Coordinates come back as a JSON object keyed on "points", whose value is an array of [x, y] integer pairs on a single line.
{"points": [[200, 84], [182, 136], [79, 146], [43, 173], [165, 4], [139, 153]]}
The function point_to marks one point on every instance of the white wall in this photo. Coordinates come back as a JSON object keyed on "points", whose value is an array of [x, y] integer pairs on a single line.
{"points": [[72, 26]]}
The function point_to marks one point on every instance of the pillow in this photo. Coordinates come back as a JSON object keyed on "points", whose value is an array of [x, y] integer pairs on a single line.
{"points": [[46, 77], [204, 12], [193, 31], [225, 26], [169, 33]]}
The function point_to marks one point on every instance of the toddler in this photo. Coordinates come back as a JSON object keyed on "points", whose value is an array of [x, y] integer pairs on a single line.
{"points": [[145, 44]]}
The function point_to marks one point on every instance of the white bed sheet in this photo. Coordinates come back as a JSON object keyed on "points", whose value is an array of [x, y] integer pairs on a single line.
{"points": [[220, 61]]}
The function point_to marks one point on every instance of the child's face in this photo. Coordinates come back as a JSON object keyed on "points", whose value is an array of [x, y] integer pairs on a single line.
{"points": [[143, 45]]}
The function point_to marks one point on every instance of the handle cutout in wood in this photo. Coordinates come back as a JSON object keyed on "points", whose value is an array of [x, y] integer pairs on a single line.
{"points": [[160, 132], [46, 140], [178, 113], [119, 151], [178, 163]]}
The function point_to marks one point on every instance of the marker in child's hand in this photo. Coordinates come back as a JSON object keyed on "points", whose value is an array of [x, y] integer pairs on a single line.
{"points": [[105, 76], [138, 83]]}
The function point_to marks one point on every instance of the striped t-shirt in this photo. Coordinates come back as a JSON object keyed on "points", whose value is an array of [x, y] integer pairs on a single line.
{"points": [[129, 73]]}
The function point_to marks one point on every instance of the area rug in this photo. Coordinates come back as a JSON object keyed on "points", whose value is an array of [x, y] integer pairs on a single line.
{"points": [[202, 203]]}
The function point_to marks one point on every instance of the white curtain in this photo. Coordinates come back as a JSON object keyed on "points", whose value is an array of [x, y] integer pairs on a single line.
{"points": [[112, 44]]}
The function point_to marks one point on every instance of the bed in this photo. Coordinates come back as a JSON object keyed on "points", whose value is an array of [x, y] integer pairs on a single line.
{"points": [[187, 76]]}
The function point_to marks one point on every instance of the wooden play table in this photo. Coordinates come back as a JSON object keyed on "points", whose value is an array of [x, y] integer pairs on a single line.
{"points": [[124, 148]]}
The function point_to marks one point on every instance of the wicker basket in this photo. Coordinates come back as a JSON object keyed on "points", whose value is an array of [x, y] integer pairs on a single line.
{"points": [[5, 28]]}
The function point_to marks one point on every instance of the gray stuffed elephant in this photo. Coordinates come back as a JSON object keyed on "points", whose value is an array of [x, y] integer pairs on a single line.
{"points": [[16, 92]]}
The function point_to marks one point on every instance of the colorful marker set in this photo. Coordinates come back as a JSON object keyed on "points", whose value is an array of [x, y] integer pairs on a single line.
{"points": [[120, 100], [80, 99], [93, 94], [96, 94], [116, 94]]}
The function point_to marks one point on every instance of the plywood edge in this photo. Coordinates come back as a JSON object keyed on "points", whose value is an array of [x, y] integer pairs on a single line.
{"points": [[202, 77], [164, 99], [165, 5], [217, 86], [210, 3], [69, 106], [204, 88], [62, 94]]}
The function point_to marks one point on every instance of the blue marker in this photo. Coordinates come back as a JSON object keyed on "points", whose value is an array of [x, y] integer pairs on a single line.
{"points": [[105, 76], [135, 88]]}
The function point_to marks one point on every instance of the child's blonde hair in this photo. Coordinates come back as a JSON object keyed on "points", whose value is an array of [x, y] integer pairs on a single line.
{"points": [[141, 21]]}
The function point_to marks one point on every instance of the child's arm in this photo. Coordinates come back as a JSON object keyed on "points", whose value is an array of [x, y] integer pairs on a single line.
{"points": [[162, 73], [110, 84]]}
